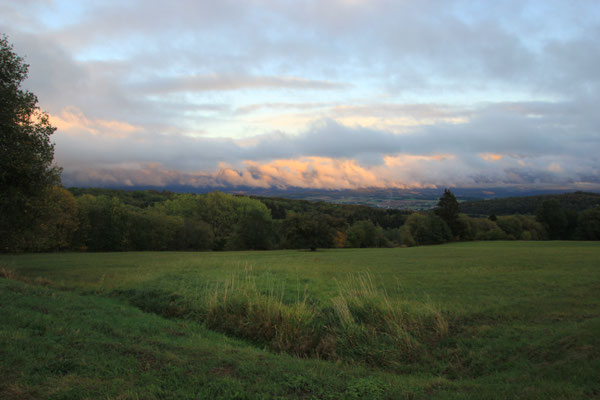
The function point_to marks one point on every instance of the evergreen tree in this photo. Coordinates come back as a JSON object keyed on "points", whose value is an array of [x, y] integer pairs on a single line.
{"points": [[448, 209]]}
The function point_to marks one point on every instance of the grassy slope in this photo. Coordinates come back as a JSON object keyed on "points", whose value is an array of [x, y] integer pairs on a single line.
{"points": [[60, 345], [524, 320]]}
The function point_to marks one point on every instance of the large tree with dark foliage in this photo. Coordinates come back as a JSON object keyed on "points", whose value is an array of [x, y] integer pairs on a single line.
{"points": [[26, 153], [553, 217], [308, 230], [448, 209], [589, 224]]}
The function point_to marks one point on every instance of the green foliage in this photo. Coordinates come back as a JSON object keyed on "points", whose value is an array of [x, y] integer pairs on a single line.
{"points": [[53, 222], [554, 218], [135, 198], [427, 229], [197, 235], [220, 221], [386, 218], [365, 388], [182, 205], [511, 225], [308, 230], [26, 153], [56, 215], [589, 224], [406, 237], [393, 237], [532, 229], [528, 205], [103, 224], [219, 211], [464, 229], [233, 222], [485, 229], [148, 230], [448, 209], [254, 229], [366, 234]]}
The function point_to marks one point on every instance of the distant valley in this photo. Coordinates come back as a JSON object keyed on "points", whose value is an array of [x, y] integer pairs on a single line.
{"points": [[403, 199]]}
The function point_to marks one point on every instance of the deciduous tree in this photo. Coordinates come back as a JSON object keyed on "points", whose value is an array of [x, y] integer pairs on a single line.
{"points": [[308, 230], [26, 153]]}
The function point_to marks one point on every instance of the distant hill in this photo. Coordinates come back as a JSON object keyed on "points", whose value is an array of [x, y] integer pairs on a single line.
{"points": [[391, 198], [576, 201]]}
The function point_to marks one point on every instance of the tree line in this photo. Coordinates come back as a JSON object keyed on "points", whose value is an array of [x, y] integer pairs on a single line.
{"points": [[220, 221], [528, 205]]}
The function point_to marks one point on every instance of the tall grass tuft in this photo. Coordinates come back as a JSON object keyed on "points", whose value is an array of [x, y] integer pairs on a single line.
{"points": [[239, 307], [373, 327], [361, 322]]}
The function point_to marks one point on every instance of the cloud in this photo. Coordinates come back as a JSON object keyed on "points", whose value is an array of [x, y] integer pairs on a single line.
{"points": [[330, 155], [216, 82], [73, 120], [339, 93]]}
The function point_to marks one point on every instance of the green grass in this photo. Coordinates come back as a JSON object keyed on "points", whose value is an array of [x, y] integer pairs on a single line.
{"points": [[467, 320]]}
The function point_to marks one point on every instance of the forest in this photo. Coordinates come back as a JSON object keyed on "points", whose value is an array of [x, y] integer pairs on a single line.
{"points": [[117, 220], [569, 202]]}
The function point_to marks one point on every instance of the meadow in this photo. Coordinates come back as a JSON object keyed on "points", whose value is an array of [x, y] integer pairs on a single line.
{"points": [[464, 320]]}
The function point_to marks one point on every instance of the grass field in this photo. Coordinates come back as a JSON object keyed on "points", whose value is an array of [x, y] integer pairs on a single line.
{"points": [[467, 320]]}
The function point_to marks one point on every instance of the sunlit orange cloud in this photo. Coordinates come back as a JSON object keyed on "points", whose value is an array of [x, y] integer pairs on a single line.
{"points": [[490, 156], [307, 172], [402, 171], [330, 173], [73, 121]]}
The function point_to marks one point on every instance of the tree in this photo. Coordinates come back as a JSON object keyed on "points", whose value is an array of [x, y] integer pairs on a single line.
{"points": [[366, 234], [425, 229], [511, 225], [57, 221], [448, 209], [589, 224], [254, 229], [103, 224], [308, 230], [485, 229], [26, 152], [551, 214]]}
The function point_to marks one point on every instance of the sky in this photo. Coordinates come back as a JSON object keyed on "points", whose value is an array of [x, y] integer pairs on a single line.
{"points": [[330, 94]]}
